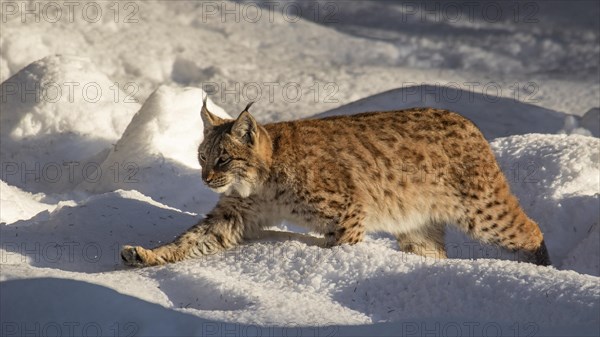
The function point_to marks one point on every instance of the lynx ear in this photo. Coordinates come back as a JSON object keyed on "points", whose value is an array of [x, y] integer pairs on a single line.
{"points": [[208, 118], [244, 128]]}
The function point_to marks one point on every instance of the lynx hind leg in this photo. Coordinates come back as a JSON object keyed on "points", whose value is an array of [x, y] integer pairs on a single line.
{"points": [[351, 230], [503, 222], [428, 242]]}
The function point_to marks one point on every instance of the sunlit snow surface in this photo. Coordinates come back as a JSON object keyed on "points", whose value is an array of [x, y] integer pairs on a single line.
{"points": [[81, 177]]}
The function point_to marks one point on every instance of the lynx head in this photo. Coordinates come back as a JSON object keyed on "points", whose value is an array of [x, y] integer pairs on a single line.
{"points": [[235, 154]]}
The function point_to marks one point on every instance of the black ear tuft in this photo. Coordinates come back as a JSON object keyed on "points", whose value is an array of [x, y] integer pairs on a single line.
{"points": [[208, 118], [248, 106]]}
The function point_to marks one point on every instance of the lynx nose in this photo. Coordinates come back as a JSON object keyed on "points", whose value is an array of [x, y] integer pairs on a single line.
{"points": [[208, 177]]}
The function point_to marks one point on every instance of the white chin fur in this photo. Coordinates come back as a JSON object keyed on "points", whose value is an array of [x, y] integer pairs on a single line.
{"points": [[242, 187], [223, 189]]}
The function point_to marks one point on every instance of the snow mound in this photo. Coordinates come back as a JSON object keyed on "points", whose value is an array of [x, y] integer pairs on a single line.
{"points": [[591, 121], [16, 204], [495, 116], [555, 166], [56, 110], [157, 153], [557, 180], [60, 94], [168, 125]]}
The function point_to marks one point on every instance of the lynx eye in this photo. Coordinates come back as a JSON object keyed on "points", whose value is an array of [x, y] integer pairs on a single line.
{"points": [[202, 157], [223, 160]]}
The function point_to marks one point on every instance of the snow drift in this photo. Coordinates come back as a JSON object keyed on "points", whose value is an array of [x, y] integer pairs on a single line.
{"points": [[66, 104], [157, 153]]}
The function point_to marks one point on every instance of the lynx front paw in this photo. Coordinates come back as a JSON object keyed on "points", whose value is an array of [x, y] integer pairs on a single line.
{"points": [[137, 256]]}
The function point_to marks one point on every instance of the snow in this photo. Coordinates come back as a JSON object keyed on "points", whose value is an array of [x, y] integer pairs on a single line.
{"points": [[556, 179], [152, 149], [20, 205], [66, 102], [495, 116], [83, 175]]}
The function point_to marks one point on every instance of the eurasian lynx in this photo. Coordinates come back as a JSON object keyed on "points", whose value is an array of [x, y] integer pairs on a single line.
{"points": [[407, 172]]}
